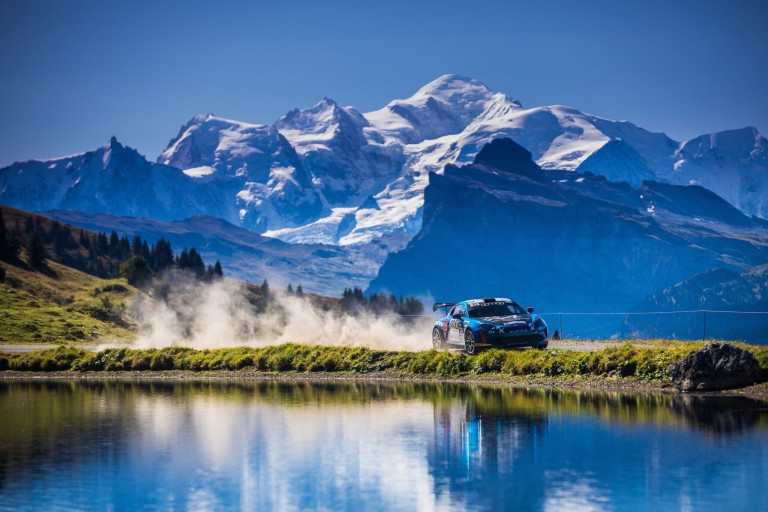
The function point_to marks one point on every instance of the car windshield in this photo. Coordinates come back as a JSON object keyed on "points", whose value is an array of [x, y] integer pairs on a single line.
{"points": [[495, 309]]}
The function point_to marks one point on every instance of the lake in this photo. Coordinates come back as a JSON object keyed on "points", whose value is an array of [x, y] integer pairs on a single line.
{"points": [[271, 445]]}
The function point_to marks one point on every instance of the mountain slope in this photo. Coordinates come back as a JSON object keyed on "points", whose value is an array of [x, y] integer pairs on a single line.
{"points": [[50, 302], [113, 178], [718, 291], [250, 257], [502, 226]]}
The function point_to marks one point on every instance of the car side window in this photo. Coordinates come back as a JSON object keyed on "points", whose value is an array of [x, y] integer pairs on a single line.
{"points": [[460, 310]]}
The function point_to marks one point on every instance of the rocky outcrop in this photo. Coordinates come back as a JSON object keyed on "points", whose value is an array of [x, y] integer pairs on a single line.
{"points": [[716, 366]]}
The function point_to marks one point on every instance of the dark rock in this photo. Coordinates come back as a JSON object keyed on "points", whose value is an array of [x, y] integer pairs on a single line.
{"points": [[716, 366]]}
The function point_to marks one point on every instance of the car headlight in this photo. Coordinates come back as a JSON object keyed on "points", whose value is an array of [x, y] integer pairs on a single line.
{"points": [[487, 327]]}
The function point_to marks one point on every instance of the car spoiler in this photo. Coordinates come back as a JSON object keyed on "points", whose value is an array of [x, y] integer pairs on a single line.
{"points": [[438, 305]]}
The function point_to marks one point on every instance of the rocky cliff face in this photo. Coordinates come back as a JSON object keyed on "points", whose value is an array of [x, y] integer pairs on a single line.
{"points": [[504, 227]]}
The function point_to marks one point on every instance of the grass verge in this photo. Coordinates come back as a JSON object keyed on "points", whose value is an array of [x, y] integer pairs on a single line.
{"points": [[625, 361]]}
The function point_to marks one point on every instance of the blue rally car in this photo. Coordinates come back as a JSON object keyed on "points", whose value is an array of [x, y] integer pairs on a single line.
{"points": [[491, 322]]}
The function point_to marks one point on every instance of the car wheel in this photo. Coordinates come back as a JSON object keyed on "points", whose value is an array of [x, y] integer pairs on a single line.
{"points": [[469, 342], [437, 339]]}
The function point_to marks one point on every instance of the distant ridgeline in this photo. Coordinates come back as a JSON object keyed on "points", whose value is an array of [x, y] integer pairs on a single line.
{"points": [[93, 253]]}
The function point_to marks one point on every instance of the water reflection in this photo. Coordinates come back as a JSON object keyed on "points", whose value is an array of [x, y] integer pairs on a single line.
{"points": [[305, 446]]}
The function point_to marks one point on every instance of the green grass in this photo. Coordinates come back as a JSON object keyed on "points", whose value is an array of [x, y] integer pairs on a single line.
{"points": [[623, 361], [62, 306]]}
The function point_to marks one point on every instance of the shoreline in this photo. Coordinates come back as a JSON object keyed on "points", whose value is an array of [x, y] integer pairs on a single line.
{"points": [[594, 384]]}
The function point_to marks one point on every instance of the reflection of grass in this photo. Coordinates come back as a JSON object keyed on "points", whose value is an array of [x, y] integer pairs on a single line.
{"points": [[63, 306], [627, 360]]}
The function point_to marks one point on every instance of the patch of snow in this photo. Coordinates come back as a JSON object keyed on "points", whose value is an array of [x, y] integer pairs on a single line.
{"points": [[199, 172]]}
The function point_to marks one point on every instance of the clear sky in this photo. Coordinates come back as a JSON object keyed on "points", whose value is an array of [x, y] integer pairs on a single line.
{"points": [[74, 73]]}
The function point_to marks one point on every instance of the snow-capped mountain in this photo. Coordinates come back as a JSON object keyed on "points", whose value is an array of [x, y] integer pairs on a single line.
{"points": [[258, 169], [734, 164], [330, 174], [112, 178]]}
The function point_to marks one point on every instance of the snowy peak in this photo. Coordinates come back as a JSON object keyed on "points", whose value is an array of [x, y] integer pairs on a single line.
{"points": [[444, 106], [114, 154], [456, 90], [321, 123], [204, 138]]}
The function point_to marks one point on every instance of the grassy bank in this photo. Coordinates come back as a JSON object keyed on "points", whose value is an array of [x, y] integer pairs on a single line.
{"points": [[626, 361]]}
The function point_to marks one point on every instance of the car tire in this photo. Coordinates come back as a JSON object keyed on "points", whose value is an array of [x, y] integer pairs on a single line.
{"points": [[437, 339], [469, 342]]}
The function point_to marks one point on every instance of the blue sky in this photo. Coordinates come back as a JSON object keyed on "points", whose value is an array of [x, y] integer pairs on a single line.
{"points": [[74, 73]]}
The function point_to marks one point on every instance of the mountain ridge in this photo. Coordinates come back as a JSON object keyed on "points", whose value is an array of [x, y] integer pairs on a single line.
{"points": [[310, 176]]}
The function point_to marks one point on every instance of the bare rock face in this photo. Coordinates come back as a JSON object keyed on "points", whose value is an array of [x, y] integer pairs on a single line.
{"points": [[716, 366]]}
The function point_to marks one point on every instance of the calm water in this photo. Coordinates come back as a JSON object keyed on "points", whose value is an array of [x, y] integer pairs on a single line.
{"points": [[361, 447]]}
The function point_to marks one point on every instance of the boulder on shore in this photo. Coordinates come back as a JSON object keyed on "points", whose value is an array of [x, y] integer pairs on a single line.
{"points": [[716, 366]]}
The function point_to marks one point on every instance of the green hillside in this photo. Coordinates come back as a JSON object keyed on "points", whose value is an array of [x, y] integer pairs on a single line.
{"points": [[61, 306]]}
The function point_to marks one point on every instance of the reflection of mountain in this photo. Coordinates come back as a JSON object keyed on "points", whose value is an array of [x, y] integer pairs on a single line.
{"points": [[381, 446]]}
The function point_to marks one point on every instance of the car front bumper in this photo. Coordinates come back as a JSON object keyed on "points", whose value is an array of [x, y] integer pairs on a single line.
{"points": [[521, 339]]}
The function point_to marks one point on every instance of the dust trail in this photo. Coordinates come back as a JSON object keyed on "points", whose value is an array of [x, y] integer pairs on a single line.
{"points": [[219, 314]]}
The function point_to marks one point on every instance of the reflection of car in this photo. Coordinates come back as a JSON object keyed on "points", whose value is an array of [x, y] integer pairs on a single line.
{"points": [[488, 323]]}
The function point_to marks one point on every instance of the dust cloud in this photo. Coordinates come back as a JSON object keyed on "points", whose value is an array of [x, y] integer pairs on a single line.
{"points": [[218, 314]]}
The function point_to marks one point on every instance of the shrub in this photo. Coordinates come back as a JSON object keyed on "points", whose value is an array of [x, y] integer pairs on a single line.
{"points": [[136, 271], [161, 361]]}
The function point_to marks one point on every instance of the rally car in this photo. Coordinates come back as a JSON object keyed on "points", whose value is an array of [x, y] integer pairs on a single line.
{"points": [[493, 322]]}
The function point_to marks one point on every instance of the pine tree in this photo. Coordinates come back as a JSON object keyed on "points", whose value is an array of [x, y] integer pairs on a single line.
{"points": [[196, 264], [9, 243], [265, 289], [162, 255], [4, 245], [217, 271], [136, 246], [36, 251], [299, 291], [102, 242], [289, 289]]}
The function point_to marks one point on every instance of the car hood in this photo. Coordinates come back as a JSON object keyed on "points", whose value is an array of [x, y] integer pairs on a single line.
{"points": [[506, 320]]}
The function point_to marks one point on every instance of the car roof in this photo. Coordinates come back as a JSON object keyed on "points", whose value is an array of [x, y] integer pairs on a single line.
{"points": [[492, 300]]}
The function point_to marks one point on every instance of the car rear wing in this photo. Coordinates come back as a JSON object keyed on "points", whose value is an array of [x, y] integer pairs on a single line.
{"points": [[439, 305]]}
